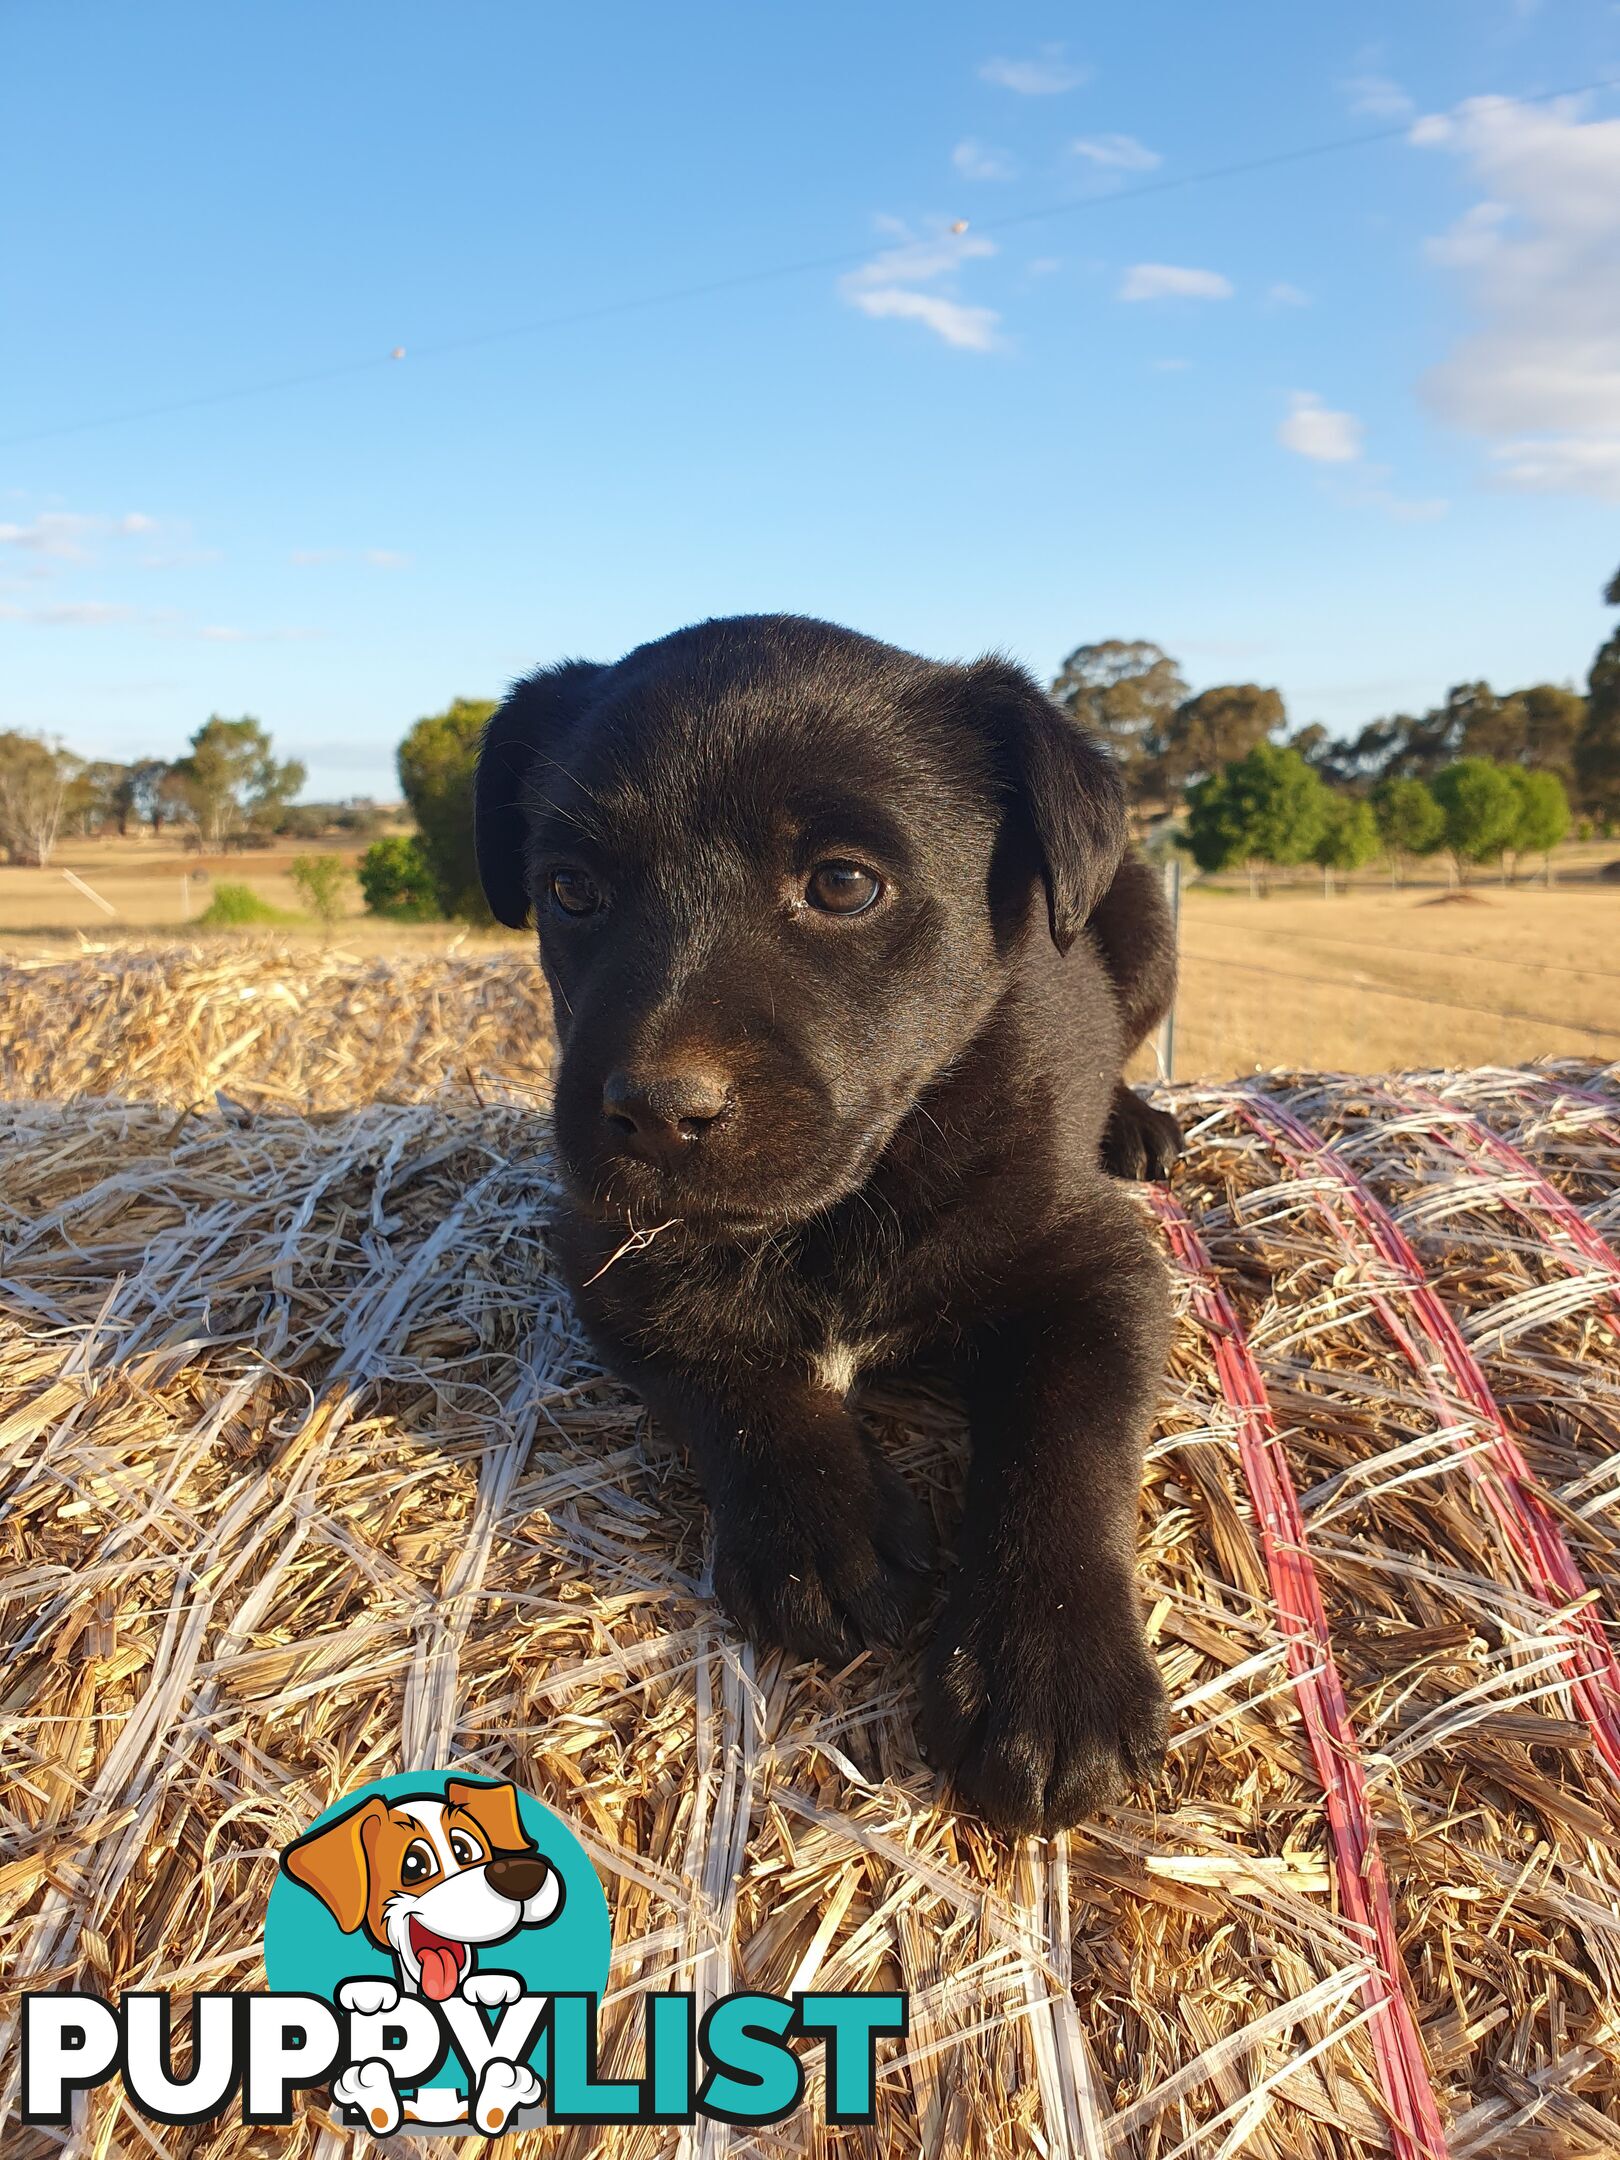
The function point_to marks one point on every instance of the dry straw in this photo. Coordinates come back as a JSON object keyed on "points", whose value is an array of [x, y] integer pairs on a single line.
{"points": [[308, 1478]]}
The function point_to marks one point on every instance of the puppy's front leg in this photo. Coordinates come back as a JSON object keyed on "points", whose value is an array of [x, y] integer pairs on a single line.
{"points": [[1043, 1699], [819, 1545]]}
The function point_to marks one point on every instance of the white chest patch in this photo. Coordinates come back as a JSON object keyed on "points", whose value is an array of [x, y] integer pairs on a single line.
{"points": [[837, 1367]]}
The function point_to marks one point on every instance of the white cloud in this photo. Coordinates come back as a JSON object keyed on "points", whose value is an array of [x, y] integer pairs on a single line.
{"points": [[1561, 465], [980, 161], [1538, 377], [971, 328], [1471, 240], [378, 558], [1116, 153], [1165, 281], [1404, 509], [69, 614], [1313, 430], [58, 533], [912, 281], [915, 259], [1046, 76], [67, 535], [161, 622], [1316, 431], [1377, 97], [1283, 294]]}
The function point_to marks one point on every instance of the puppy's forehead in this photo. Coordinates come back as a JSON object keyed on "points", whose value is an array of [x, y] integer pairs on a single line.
{"points": [[763, 752]]}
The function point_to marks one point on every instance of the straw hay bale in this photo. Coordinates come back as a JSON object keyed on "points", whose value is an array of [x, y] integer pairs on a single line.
{"points": [[276, 1023], [308, 1478]]}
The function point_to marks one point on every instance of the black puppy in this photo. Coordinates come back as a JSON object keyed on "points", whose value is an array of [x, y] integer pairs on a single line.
{"points": [[847, 954]]}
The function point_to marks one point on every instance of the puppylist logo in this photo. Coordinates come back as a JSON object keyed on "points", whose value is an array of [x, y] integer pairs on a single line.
{"points": [[436, 1947]]}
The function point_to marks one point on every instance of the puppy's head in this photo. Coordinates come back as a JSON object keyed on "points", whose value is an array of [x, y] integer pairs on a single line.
{"points": [[780, 874], [430, 1878]]}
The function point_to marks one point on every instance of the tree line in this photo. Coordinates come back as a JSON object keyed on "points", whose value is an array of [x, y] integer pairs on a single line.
{"points": [[1168, 741], [1271, 809], [229, 789]]}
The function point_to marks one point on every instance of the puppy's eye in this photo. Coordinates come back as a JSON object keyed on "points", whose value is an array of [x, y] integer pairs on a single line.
{"points": [[467, 1851], [842, 888], [575, 893], [418, 1864]]}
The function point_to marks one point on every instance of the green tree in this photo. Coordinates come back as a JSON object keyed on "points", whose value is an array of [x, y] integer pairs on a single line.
{"points": [[34, 779], [1416, 746], [1326, 754], [1348, 839], [1124, 692], [437, 761], [124, 804], [93, 794], [1215, 728], [321, 882], [1214, 827], [1546, 725], [1410, 821], [1266, 810], [155, 794], [233, 779], [1543, 816], [395, 880], [1480, 806], [1597, 747]]}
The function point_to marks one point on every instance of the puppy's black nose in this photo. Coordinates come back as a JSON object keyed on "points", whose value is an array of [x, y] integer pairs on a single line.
{"points": [[662, 1115], [517, 1876]]}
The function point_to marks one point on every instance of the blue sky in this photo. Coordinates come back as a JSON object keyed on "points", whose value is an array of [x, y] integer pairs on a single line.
{"points": [[1350, 425]]}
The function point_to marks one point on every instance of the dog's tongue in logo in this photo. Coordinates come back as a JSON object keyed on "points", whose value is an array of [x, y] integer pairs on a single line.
{"points": [[441, 1961]]}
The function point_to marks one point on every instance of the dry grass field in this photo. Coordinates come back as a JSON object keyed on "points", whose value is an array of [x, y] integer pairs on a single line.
{"points": [[307, 1476], [156, 887], [1375, 979]]}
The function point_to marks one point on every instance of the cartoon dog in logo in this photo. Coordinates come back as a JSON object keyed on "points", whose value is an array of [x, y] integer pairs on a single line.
{"points": [[432, 1879]]}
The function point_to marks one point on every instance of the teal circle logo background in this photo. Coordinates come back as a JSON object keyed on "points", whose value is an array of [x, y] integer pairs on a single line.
{"points": [[307, 1953]]}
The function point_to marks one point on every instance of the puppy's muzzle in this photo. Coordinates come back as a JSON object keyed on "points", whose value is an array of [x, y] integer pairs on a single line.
{"points": [[663, 1117]]}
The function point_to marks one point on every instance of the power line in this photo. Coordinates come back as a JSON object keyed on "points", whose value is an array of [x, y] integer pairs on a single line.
{"points": [[742, 280]]}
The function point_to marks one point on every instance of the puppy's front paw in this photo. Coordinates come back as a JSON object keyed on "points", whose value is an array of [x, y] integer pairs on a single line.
{"points": [[367, 2089], [1037, 1726], [827, 1572], [368, 1998], [503, 2089], [491, 1990], [1140, 1141]]}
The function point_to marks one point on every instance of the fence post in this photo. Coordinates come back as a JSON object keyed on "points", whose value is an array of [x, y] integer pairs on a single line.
{"points": [[1167, 1026]]}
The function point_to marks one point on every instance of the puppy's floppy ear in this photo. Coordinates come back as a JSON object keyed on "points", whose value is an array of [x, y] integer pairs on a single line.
{"points": [[335, 1863], [534, 718], [1067, 785], [494, 1809]]}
